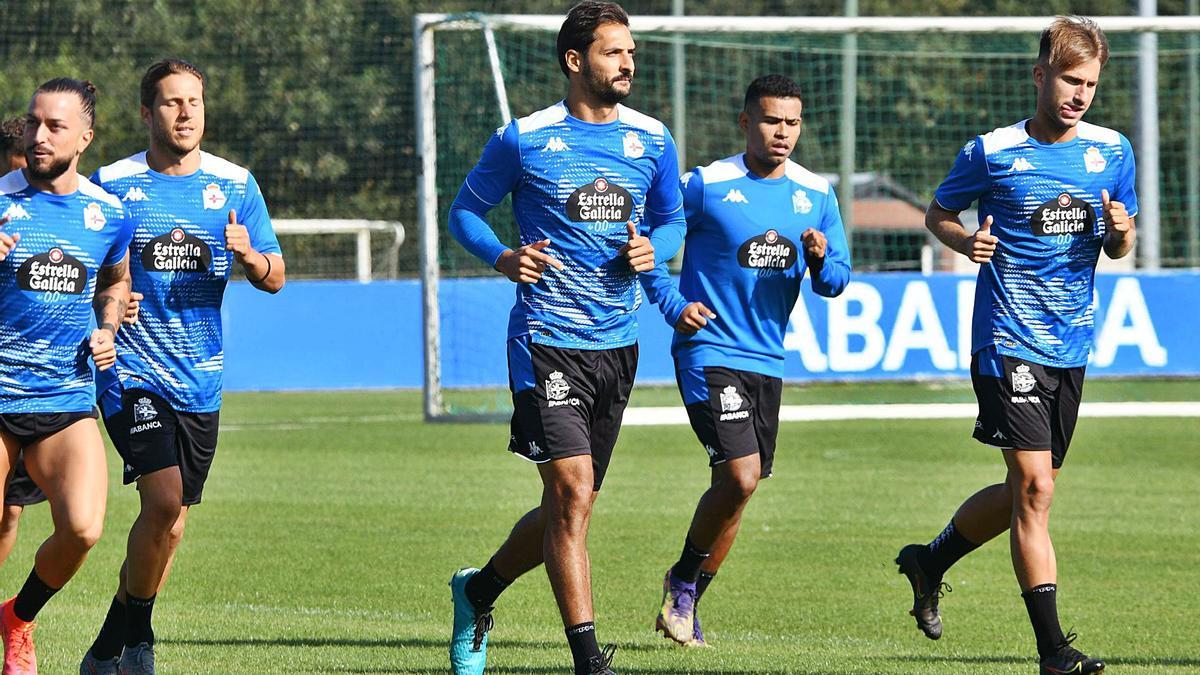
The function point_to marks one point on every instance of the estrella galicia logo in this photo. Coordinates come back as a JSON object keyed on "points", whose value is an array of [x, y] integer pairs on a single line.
{"points": [[600, 201], [176, 251], [54, 271], [1063, 215], [767, 251]]}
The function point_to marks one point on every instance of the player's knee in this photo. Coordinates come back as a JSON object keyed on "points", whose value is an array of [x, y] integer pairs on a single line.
{"points": [[161, 512], [1036, 494], [176, 534], [739, 487], [572, 501], [82, 534]]}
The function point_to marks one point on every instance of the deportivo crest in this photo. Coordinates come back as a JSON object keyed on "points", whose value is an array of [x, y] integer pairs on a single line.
{"points": [[557, 387], [93, 217], [730, 399], [633, 145], [144, 410], [1093, 161], [213, 197], [1023, 381], [800, 202]]}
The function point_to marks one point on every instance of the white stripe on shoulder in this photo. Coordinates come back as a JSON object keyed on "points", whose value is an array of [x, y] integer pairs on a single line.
{"points": [[730, 168], [806, 178], [1095, 132], [640, 120], [223, 168], [94, 191], [542, 118], [1004, 137], [130, 166], [13, 181]]}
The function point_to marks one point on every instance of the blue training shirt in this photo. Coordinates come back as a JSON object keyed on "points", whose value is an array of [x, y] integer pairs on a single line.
{"points": [[179, 262], [744, 260], [1034, 299], [576, 184], [47, 283]]}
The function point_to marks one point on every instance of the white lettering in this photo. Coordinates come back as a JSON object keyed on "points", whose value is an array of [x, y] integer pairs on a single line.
{"points": [[1127, 322], [917, 305], [802, 338], [866, 324]]}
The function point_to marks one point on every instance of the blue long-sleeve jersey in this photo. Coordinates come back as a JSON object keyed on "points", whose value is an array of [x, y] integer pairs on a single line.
{"points": [[744, 260], [576, 184]]}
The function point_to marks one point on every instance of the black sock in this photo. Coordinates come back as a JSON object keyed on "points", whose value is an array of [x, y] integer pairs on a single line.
{"points": [[582, 638], [111, 639], [702, 583], [1042, 604], [137, 620], [945, 550], [690, 560], [33, 597], [484, 587]]}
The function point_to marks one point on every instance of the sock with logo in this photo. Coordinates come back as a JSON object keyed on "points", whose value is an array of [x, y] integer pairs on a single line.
{"points": [[690, 560], [1042, 604], [702, 583], [111, 639], [33, 597], [137, 620], [945, 550], [582, 638], [484, 587]]}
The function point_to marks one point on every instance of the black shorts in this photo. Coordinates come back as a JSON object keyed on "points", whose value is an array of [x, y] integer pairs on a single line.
{"points": [[29, 428], [568, 402], [735, 413], [150, 435], [1025, 405], [21, 490]]}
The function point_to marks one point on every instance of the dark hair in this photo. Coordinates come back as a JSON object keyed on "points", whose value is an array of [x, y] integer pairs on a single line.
{"points": [[12, 134], [1071, 41], [578, 31], [156, 73], [85, 90], [773, 85]]}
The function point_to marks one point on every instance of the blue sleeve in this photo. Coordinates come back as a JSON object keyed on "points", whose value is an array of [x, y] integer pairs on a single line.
{"points": [[497, 174], [664, 205], [660, 288], [968, 178], [120, 245], [1125, 191], [831, 280], [257, 221]]}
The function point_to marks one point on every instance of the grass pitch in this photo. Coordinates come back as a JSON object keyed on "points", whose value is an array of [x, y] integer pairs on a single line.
{"points": [[332, 522]]}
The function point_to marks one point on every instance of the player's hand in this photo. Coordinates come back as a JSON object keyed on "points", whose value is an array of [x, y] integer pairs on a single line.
{"points": [[980, 246], [104, 348], [526, 264], [237, 238], [694, 317], [1116, 218], [638, 250], [133, 308], [7, 241], [814, 243]]}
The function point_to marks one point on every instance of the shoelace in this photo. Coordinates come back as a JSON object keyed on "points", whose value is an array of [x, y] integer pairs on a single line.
{"points": [[1065, 648], [601, 663], [22, 648], [483, 624], [940, 592]]}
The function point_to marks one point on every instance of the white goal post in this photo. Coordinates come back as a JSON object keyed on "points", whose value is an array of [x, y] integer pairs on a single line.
{"points": [[425, 26]]}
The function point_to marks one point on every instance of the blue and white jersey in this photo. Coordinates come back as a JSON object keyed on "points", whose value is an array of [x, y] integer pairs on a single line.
{"points": [[744, 260], [179, 262], [576, 184], [1034, 300], [47, 283]]}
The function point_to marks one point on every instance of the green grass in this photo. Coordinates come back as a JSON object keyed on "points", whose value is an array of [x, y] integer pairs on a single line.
{"points": [[332, 522]]}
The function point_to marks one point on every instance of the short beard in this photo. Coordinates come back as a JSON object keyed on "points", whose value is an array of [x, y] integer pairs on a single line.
{"points": [[164, 141], [603, 89], [57, 168]]}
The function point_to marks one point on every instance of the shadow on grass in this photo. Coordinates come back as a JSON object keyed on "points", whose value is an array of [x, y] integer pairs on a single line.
{"points": [[1109, 660], [391, 643]]}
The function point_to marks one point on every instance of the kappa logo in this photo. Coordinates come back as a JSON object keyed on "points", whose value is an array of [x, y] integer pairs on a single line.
{"points": [[735, 196], [93, 217], [144, 410], [730, 399], [555, 144], [534, 450], [969, 148], [999, 436], [213, 197], [633, 145], [686, 178], [800, 202], [1023, 381], [16, 212], [1022, 164], [135, 194], [1093, 161], [712, 452]]}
